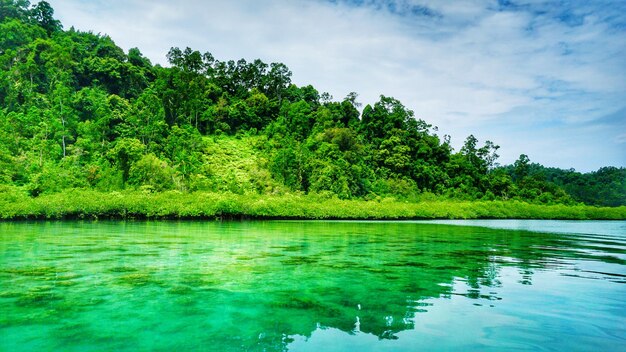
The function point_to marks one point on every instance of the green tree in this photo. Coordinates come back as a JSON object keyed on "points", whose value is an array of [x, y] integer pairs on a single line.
{"points": [[14, 9], [151, 171], [521, 168], [44, 15], [125, 153], [183, 147]]}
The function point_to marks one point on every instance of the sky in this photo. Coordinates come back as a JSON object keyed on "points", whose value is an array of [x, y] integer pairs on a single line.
{"points": [[541, 78]]}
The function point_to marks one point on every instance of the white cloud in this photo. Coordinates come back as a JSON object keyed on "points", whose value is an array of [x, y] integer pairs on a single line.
{"points": [[471, 69]]}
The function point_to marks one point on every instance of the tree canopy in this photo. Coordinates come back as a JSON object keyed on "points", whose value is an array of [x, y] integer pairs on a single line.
{"points": [[76, 111]]}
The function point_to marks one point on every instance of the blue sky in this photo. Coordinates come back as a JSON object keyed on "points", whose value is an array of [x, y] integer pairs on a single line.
{"points": [[543, 78]]}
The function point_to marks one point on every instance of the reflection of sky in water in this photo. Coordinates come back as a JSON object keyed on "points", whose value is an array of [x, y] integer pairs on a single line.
{"points": [[596, 227], [308, 286], [543, 316]]}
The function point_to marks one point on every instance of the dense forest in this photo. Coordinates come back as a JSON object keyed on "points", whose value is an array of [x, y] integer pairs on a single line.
{"points": [[77, 112]]}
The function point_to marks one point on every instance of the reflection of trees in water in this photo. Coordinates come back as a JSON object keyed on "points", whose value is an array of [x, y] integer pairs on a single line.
{"points": [[254, 286], [377, 281]]}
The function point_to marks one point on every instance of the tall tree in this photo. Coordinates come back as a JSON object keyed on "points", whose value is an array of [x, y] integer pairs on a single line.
{"points": [[44, 15]]}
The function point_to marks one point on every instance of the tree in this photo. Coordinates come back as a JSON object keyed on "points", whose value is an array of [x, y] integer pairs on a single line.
{"points": [[43, 14], [125, 153], [288, 165], [148, 120], [151, 171], [183, 147], [277, 80], [14, 9], [521, 168], [136, 58], [299, 119]]}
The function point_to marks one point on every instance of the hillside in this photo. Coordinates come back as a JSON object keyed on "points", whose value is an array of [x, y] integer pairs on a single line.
{"points": [[79, 113]]}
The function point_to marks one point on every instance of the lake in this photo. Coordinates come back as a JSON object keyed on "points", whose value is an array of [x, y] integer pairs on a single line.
{"points": [[313, 286]]}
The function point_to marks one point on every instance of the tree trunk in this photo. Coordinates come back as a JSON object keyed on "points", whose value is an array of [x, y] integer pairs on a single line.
{"points": [[63, 124]]}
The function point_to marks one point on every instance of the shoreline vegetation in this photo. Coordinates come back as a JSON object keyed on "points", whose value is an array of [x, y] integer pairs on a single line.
{"points": [[127, 205]]}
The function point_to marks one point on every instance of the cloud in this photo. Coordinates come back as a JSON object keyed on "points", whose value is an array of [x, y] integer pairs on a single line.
{"points": [[507, 71]]}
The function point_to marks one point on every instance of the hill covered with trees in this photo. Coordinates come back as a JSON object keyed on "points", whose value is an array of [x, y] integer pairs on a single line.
{"points": [[79, 113]]}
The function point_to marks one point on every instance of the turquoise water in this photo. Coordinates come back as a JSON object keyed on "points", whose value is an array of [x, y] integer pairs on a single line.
{"points": [[312, 286]]}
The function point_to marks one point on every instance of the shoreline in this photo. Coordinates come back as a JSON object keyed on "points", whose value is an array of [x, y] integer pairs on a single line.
{"points": [[81, 204]]}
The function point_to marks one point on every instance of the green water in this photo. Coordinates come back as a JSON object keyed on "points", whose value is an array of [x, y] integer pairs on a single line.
{"points": [[312, 286]]}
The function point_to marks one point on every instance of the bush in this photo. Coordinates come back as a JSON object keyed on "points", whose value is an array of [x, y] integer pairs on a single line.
{"points": [[81, 203], [151, 171]]}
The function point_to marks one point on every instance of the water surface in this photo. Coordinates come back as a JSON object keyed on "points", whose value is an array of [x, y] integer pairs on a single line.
{"points": [[312, 286]]}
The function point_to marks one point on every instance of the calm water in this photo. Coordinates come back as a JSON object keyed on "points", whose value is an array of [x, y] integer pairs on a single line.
{"points": [[313, 286]]}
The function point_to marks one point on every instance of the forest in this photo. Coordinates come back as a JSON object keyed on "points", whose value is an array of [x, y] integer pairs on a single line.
{"points": [[79, 114]]}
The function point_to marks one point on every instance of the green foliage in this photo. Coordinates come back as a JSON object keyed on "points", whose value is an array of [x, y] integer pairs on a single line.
{"points": [[151, 171], [42, 13], [80, 117], [235, 165], [89, 204], [605, 187], [125, 153], [14, 9]]}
